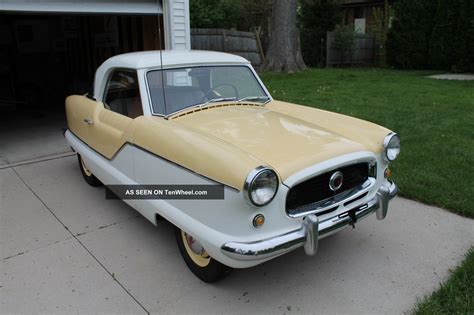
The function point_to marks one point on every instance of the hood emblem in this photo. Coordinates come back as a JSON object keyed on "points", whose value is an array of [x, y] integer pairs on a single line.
{"points": [[336, 180]]}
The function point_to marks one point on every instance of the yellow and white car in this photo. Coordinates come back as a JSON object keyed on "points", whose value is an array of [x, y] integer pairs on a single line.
{"points": [[291, 174]]}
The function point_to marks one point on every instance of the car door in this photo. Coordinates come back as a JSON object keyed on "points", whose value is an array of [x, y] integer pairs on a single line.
{"points": [[110, 123]]}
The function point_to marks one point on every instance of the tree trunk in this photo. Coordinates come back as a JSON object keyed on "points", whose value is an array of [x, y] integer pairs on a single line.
{"points": [[284, 49]]}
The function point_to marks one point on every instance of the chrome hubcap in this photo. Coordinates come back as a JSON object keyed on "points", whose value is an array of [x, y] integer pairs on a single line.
{"points": [[84, 167], [195, 250], [195, 246]]}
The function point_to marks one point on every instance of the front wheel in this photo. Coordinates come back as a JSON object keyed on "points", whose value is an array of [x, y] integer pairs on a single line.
{"points": [[198, 260], [87, 174]]}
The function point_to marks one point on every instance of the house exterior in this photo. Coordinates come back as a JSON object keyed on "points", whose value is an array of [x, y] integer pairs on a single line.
{"points": [[361, 13]]}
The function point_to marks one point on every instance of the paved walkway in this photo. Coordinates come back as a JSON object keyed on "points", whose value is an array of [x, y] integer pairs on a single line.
{"points": [[451, 76], [64, 248]]}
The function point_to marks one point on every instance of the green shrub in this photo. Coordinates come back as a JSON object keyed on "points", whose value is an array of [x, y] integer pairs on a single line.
{"points": [[344, 41], [452, 41], [429, 34], [444, 26], [408, 39], [316, 18]]}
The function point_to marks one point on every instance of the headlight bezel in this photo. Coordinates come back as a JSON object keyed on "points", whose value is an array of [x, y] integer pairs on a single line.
{"points": [[386, 146], [248, 186]]}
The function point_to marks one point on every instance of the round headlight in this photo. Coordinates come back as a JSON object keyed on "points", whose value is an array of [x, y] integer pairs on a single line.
{"points": [[261, 186], [391, 146]]}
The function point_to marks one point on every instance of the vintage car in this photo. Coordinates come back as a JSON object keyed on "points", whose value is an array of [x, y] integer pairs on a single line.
{"points": [[292, 175]]}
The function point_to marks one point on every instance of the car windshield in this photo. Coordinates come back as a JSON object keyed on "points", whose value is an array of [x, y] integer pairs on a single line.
{"points": [[188, 87]]}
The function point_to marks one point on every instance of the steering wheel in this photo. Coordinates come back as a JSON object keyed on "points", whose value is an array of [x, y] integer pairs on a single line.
{"points": [[215, 93]]}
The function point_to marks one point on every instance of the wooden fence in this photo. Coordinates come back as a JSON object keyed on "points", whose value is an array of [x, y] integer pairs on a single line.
{"points": [[363, 51], [245, 44]]}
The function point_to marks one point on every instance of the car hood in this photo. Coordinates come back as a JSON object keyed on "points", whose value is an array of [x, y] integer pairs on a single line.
{"points": [[280, 140]]}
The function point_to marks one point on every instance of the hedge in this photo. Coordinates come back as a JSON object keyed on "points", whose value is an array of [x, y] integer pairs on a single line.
{"points": [[428, 34]]}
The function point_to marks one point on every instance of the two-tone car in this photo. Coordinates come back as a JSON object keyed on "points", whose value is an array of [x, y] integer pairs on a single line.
{"points": [[291, 174]]}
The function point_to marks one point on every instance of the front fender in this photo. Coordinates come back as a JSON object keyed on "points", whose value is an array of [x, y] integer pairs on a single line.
{"points": [[205, 155]]}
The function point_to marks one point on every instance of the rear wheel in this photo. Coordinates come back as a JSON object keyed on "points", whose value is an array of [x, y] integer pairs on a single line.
{"points": [[87, 174], [198, 260]]}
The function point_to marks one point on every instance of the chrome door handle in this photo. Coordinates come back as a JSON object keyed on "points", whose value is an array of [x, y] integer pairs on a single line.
{"points": [[88, 121]]}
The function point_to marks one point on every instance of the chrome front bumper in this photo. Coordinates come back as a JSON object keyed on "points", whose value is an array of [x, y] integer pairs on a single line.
{"points": [[311, 230]]}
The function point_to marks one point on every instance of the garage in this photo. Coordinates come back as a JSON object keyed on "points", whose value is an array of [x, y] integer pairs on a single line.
{"points": [[50, 49]]}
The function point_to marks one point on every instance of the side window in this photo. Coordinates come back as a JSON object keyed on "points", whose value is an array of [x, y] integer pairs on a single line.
{"points": [[122, 94]]}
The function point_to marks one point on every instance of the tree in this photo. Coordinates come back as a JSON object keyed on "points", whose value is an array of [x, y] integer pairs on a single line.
{"points": [[379, 29], [284, 51], [255, 16], [214, 13], [316, 18]]}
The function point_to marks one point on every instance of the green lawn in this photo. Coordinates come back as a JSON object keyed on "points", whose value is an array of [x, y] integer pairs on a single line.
{"points": [[456, 296], [434, 118]]}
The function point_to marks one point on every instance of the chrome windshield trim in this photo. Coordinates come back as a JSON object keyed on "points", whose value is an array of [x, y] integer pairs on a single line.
{"points": [[335, 202], [167, 116]]}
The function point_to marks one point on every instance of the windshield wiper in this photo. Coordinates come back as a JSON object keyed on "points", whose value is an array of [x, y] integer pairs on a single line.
{"points": [[254, 98], [215, 100]]}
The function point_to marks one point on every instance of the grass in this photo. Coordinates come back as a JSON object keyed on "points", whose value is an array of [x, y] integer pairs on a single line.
{"points": [[434, 118], [456, 295]]}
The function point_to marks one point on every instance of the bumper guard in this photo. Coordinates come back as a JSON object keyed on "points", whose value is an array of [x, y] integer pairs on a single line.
{"points": [[311, 230]]}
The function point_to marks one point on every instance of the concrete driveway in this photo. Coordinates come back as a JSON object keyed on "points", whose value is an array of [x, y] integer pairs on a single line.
{"points": [[24, 138], [64, 248]]}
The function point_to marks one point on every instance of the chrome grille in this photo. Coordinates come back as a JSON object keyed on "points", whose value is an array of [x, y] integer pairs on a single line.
{"points": [[314, 193]]}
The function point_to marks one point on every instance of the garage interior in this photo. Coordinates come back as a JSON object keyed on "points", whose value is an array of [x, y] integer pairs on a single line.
{"points": [[46, 57]]}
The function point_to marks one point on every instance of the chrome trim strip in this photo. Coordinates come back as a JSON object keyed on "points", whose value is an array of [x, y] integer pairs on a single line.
{"points": [[362, 189], [149, 152], [309, 233], [329, 165]]}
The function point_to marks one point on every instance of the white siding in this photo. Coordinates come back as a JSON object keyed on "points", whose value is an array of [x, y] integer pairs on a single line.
{"points": [[177, 29]]}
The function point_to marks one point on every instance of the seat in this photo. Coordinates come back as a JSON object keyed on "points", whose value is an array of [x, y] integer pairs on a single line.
{"points": [[135, 108]]}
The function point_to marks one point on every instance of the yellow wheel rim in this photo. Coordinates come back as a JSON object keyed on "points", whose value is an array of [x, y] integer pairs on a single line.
{"points": [[84, 168], [195, 250]]}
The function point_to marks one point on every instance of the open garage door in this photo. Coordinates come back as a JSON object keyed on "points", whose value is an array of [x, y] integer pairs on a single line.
{"points": [[50, 49], [131, 7]]}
